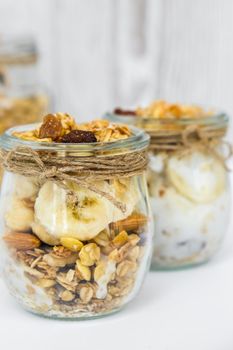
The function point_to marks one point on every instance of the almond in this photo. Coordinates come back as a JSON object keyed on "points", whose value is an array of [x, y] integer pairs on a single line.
{"points": [[21, 241], [134, 222]]}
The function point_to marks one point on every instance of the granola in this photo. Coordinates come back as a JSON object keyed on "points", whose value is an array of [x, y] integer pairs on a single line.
{"points": [[61, 127], [74, 288], [165, 110]]}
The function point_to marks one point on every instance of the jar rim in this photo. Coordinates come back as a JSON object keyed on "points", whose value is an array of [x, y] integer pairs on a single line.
{"points": [[219, 119], [139, 140]]}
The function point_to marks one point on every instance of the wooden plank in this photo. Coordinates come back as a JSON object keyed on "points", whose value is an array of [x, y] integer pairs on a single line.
{"points": [[85, 57], [136, 50]]}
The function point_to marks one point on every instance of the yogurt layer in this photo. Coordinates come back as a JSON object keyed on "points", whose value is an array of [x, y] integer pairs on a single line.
{"points": [[189, 227]]}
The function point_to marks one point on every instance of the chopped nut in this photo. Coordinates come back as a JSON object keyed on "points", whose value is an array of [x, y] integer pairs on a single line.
{"points": [[86, 294], [70, 275], [124, 251], [84, 272], [102, 239], [120, 239], [89, 254], [99, 270], [134, 222], [125, 267], [72, 244], [45, 283], [57, 261], [134, 253], [133, 239], [114, 255], [21, 241], [66, 295], [61, 251]]}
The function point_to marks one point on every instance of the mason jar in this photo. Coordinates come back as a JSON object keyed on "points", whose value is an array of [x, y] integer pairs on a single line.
{"points": [[22, 98], [76, 224], [187, 179]]}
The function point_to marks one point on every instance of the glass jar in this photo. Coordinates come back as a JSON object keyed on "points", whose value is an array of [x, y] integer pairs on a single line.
{"points": [[72, 252], [188, 185], [22, 99]]}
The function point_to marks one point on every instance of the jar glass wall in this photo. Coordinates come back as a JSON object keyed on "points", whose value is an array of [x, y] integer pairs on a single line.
{"points": [[188, 186], [77, 258]]}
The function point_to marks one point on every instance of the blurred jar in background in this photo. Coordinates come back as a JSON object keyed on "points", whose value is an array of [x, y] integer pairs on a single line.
{"points": [[22, 99], [187, 179]]}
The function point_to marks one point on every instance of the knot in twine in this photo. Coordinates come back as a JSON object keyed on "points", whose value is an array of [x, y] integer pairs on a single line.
{"points": [[193, 137], [81, 170]]}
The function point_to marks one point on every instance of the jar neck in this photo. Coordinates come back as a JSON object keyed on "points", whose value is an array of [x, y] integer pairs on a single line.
{"points": [[137, 142], [216, 121]]}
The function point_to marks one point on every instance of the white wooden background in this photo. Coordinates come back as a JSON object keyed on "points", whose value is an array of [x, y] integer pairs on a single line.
{"points": [[96, 54]]}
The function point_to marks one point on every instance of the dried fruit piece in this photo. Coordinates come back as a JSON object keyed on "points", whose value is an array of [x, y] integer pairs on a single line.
{"points": [[123, 112], [134, 222], [51, 127], [89, 254], [72, 244], [21, 241], [79, 136]]}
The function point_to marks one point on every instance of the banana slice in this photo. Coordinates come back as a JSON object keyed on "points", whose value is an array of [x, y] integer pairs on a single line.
{"points": [[82, 220], [25, 187], [198, 176], [125, 191], [40, 232], [88, 217], [19, 217]]}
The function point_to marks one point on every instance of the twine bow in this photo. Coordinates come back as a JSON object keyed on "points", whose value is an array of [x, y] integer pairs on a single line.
{"points": [[79, 170]]}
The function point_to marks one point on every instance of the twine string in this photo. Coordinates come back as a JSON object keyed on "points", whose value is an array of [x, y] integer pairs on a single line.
{"points": [[193, 137], [77, 169]]}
